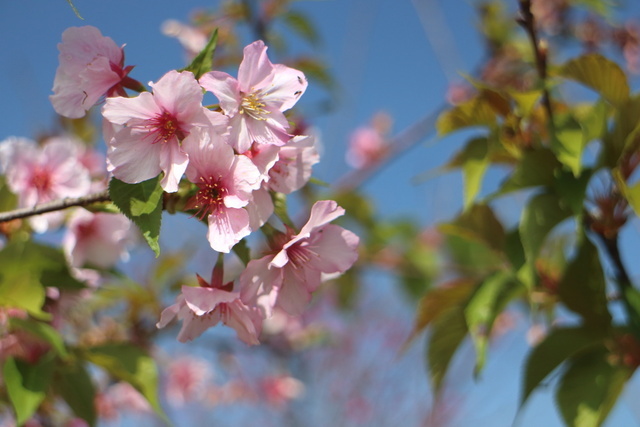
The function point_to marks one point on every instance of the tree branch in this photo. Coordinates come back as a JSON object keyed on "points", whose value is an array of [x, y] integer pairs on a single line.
{"points": [[55, 205], [527, 21]]}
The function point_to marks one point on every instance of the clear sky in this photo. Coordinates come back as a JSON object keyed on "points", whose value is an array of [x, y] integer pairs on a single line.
{"points": [[383, 56]]}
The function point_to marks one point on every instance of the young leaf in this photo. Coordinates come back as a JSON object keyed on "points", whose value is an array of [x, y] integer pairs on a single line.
{"points": [[600, 74], [536, 168], [131, 364], [559, 345], [589, 388], [20, 285], [203, 62], [478, 223], [142, 204], [74, 384], [27, 384], [474, 112], [568, 143], [474, 162]]}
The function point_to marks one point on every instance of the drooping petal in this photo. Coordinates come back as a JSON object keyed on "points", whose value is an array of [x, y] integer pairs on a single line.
{"points": [[173, 162], [259, 285], [322, 212], [203, 300], [227, 228], [294, 296], [246, 321], [193, 326]]}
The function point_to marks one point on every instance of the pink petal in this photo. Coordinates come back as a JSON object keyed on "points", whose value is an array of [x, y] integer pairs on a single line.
{"points": [[336, 249], [287, 87], [203, 300], [255, 71], [131, 159], [227, 228], [193, 326], [260, 208], [246, 322], [225, 88], [322, 212], [173, 162], [294, 295], [120, 110], [179, 93], [259, 285]]}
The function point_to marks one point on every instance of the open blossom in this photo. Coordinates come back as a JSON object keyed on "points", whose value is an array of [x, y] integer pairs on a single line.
{"points": [[91, 66], [99, 239], [203, 307], [43, 174], [149, 130], [225, 182], [293, 168], [256, 100], [287, 278]]}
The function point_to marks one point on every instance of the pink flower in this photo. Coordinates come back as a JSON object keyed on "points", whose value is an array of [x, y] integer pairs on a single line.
{"points": [[256, 100], [225, 182], [91, 66], [205, 306], [288, 278], [191, 38], [279, 389], [187, 378], [366, 146], [150, 129], [98, 239], [43, 174], [293, 168]]}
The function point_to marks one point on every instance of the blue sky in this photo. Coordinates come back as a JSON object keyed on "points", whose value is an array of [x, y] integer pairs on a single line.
{"points": [[381, 54]]}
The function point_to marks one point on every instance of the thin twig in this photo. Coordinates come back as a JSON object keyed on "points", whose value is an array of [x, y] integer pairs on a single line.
{"points": [[55, 205], [527, 21]]}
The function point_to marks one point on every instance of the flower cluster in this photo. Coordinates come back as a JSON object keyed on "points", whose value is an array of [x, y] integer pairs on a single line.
{"points": [[230, 159]]}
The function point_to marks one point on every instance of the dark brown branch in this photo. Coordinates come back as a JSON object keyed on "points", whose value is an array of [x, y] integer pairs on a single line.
{"points": [[527, 21], [55, 205]]}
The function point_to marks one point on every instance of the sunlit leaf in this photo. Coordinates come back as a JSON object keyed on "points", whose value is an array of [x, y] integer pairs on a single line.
{"points": [[27, 384], [600, 74], [558, 346], [474, 112], [589, 388], [473, 159], [568, 143], [142, 204], [625, 134]]}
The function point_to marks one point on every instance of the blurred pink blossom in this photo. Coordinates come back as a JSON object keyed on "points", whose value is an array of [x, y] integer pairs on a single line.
{"points": [[187, 380], [118, 398], [191, 38], [255, 101], [280, 389]]}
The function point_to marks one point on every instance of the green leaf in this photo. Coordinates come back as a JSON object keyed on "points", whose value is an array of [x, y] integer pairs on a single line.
{"points": [[589, 389], [302, 25], [474, 112], [571, 190], [74, 384], [474, 161], [478, 223], [543, 212], [203, 62], [142, 204], [449, 330], [42, 331], [582, 288], [27, 384], [439, 300], [625, 135], [600, 74], [536, 168], [568, 143], [488, 301], [55, 271], [242, 250], [280, 208], [559, 345], [131, 364]]}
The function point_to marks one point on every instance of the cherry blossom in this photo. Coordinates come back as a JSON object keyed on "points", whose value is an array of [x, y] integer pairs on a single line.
{"points": [[43, 174], [367, 144], [225, 182], [151, 128], [98, 239], [91, 66], [187, 378], [287, 278], [256, 100], [205, 306], [293, 168]]}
